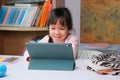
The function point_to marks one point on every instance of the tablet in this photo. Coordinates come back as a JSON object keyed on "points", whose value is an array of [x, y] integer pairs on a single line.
{"points": [[53, 55]]}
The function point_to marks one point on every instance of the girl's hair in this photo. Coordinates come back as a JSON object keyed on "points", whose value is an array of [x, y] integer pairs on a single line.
{"points": [[63, 15]]}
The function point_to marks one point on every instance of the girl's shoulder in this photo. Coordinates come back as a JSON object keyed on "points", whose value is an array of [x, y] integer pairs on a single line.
{"points": [[44, 39], [71, 38]]}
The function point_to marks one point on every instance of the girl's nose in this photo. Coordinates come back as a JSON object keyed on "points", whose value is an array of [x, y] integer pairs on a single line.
{"points": [[57, 31]]}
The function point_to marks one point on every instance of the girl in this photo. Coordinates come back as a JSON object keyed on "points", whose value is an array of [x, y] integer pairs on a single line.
{"points": [[60, 24]]}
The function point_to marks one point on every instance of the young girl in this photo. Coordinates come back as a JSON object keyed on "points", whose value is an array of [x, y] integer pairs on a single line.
{"points": [[60, 24]]}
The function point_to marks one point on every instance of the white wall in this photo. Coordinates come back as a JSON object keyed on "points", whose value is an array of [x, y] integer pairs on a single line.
{"points": [[74, 7]]}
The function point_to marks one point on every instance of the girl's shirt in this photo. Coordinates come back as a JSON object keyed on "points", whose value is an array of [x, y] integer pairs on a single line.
{"points": [[70, 39]]}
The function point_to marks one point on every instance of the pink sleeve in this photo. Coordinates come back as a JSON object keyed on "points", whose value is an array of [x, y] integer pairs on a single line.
{"points": [[75, 43]]}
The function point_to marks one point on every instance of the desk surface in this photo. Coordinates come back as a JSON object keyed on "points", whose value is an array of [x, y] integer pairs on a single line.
{"points": [[19, 71]]}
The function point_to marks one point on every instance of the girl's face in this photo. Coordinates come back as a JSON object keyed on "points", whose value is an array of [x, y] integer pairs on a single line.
{"points": [[58, 32]]}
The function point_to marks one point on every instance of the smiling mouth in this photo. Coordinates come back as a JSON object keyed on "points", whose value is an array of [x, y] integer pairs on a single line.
{"points": [[56, 37]]}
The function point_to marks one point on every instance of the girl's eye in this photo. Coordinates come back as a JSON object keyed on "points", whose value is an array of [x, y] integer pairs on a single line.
{"points": [[62, 28], [52, 28]]}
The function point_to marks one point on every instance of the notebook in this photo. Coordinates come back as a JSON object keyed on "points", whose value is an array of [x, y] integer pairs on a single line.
{"points": [[50, 56]]}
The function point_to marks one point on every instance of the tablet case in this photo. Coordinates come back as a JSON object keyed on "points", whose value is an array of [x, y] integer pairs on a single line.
{"points": [[50, 56]]}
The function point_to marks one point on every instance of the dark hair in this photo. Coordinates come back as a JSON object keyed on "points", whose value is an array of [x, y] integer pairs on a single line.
{"points": [[61, 13]]}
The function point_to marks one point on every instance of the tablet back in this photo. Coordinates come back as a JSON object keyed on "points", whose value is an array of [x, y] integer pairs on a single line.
{"points": [[51, 56]]}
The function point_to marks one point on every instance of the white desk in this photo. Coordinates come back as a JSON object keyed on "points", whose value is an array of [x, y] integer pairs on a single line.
{"points": [[19, 71]]}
